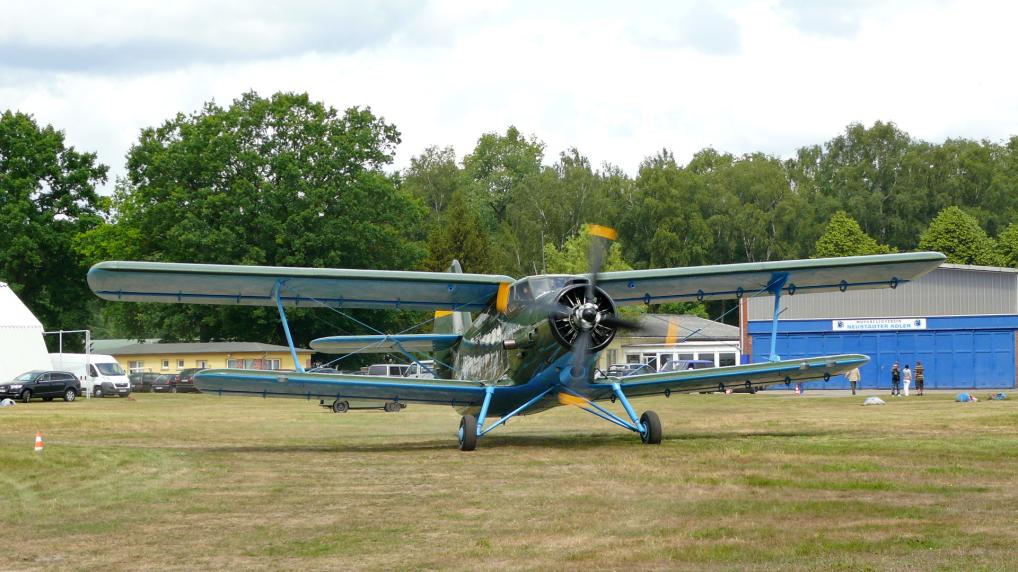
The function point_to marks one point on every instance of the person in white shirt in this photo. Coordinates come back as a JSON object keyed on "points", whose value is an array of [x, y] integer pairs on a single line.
{"points": [[906, 376]]}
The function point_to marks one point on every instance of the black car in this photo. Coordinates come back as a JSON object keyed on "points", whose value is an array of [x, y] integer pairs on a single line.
{"points": [[165, 383], [44, 384], [142, 381], [185, 380]]}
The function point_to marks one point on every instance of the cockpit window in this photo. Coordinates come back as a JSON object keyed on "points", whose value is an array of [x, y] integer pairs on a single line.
{"points": [[533, 287]]}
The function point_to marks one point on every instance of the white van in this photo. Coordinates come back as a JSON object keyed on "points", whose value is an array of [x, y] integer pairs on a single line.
{"points": [[100, 374], [388, 369], [421, 370]]}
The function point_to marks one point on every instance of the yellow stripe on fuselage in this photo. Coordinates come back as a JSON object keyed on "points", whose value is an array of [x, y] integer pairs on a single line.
{"points": [[442, 313]]}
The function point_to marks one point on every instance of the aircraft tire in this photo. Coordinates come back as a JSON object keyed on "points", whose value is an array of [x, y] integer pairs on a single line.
{"points": [[340, 406], [652, 436], [468, 433]]}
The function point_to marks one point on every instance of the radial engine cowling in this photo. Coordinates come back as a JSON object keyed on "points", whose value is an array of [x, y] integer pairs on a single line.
{"points": [[577, 312]]}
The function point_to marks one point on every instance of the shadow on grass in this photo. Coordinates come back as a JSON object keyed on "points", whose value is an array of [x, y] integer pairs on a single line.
{"points": [[550, 441]]}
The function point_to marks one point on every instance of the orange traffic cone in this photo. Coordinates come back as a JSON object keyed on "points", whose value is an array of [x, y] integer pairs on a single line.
{"points": [[38, 441]]}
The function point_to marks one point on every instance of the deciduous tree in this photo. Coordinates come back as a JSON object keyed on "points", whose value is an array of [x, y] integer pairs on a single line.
{"points": [[844, 237], [47, 198], [959, 236]]}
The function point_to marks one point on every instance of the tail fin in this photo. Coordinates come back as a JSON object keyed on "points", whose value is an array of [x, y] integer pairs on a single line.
{"points": [[447, 322]]}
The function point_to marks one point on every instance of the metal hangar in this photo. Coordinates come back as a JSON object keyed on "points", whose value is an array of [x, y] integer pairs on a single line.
{"points": [[958, 320]]}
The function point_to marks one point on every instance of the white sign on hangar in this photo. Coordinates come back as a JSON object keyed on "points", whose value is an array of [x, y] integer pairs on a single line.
{"points": [[877, 324]]}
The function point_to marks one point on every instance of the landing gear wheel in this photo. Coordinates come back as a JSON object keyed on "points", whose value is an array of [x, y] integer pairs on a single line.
{"points": [[340, 406], [70, 395], [651, 435], [393, 407], [468, 433]]}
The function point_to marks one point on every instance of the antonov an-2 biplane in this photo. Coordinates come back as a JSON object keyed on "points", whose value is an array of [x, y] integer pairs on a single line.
{"points": [[533, 342]]}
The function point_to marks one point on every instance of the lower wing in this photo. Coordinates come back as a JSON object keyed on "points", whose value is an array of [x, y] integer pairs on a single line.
{"points": [[259, 383], [732, 377]]}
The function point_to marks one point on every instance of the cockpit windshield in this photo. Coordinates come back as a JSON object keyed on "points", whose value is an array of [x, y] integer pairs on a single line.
{"points": [[533, 287]]}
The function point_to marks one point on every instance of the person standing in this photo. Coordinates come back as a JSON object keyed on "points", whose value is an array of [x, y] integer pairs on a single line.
{"points": [[906, 374], [920, 381], [853, 379], [895, 380]]}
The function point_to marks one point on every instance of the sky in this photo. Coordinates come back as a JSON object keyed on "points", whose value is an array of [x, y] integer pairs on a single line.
{"points": [[617, 80]]}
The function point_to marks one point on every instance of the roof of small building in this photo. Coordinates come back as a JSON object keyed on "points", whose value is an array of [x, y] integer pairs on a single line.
{"points": [[198, 348], [105, 346], [685, 327]]}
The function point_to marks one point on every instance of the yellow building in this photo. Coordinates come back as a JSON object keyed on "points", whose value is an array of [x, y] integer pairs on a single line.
{"points": [[171, 358]]}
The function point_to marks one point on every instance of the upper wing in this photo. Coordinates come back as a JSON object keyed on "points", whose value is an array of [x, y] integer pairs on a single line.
{"points": [[255, 285], [737, 280], [427, 343], [260, 383], [750, 375]]}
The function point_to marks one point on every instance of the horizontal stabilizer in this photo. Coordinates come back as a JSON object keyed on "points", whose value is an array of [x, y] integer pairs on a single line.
{"points": [[401, 343], [728, 281], [307, 287], [314, 386]]}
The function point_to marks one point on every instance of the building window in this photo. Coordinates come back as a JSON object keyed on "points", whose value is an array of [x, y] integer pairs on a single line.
{"points": [[180, 364], [708, 357], [136, 365], [166, 364], [233, 363], [613, 356], [726, 359], [201, 363]]}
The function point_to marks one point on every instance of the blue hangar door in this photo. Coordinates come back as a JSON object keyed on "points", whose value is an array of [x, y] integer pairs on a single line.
{"points": [[952, 359]]}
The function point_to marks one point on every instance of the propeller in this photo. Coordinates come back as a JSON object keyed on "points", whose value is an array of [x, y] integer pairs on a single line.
{"points": [[584, 318]]}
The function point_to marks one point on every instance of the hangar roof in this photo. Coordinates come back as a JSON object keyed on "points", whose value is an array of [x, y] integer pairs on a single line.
{"points": [[688, 328], [950, 290]]}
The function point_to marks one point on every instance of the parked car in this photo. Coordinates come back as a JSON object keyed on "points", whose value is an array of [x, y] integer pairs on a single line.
{"points": [[323, 369], [683, 364], [185, 380], [142, 381], [389, 369], [624, 369], [165, 383], [44, 384]]}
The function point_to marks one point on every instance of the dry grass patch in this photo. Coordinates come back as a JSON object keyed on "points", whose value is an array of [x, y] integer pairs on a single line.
{"points": [[741, 482]]}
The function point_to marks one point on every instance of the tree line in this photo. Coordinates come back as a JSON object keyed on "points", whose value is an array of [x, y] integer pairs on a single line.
{"points": [[285, 180]]}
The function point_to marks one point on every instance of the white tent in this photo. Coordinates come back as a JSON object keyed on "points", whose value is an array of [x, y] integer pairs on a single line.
{"points": [[21, 345]]}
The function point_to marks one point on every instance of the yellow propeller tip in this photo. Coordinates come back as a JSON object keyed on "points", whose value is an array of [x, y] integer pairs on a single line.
{"points": [[602, 231], [570, 399]]}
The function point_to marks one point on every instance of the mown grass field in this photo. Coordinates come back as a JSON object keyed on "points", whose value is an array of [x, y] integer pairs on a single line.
{"points": [[741, 482]]}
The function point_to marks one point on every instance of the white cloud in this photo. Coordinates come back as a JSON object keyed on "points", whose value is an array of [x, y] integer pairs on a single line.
{"points": [[619, 84]]}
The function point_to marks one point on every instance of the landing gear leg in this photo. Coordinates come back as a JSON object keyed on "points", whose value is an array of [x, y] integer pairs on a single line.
{"points": [[649, 425]]}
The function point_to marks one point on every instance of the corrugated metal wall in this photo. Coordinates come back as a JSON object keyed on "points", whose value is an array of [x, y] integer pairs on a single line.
{"points": [[951, 290], [954, 359]]}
